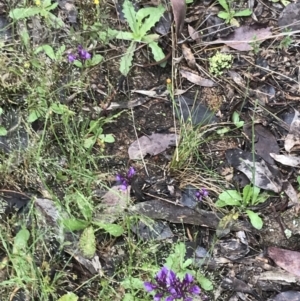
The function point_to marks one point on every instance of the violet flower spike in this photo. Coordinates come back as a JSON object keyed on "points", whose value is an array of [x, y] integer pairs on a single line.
{"points": [[83, 54], [131, 172], [71, 57], [170, 287]]}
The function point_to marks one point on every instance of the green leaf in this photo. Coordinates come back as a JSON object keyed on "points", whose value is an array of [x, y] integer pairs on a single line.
{"points": [[72, 224], [154, 13], [108, 138], [235, 117], [49, 6], [96, 59], [55, 21], [230, 197], [243, 13], [48, 50], [255, 220], [129, 14], [112, 229], [157, 52], [223, 15], [22, 13], [60, 51], [3, 131], [255, 194], [68, 297], [1, 111], [128, 297], [59, 108], [20, 241], [125, 35], [77, 64], [33, 116], [247, 194], [84, 205], [204, 282], [87, 242], [89, 142], [187, 263], [224, 4], [133, 283], [219, 203], [126, 60]]}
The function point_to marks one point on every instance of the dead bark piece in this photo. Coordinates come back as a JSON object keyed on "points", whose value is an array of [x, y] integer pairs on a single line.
{"points": [[158, 209]]}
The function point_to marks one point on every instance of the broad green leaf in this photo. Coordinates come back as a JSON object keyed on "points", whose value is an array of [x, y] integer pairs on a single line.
{"points": [[55, 21], [112, 229], [59, 108], [255, 220], [231, 197], [129, 297], [130, 15], [187, 263], [50, 7], [77, 64], [243, 13], [133, 283], [48, 50], [108, 138], [96, 59], [22, 13], [33, 116], [73, 224], [219, 203], [247, 194], [235, 117], [46, 3], [60, 51], [3, 131], [68, 297], [224, 4], [89, 142], [84, 205], [255, 194], [204, 282], [223, 15], [261, 198], [155, 14], [126, 60], [20, 241], [125, 35], [157, 52], [87, 242]]}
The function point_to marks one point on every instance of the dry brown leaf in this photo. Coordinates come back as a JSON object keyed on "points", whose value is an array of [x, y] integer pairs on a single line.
{"points": [[188, 55], [196, 79], [286, 259], [242, 38], [195, 35], [179, 11]]}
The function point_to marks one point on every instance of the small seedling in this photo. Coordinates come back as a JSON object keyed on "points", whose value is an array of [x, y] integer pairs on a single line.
{"points": [[42, 9], [228, 14], [219, 62], [87, 242], [236, 120], [140, 23], [251, 196]]}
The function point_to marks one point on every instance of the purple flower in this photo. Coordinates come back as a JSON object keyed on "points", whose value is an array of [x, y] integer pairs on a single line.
{"points": [[83, 54], [124, 180], [170, 286], [71, 57], [201, 193]]}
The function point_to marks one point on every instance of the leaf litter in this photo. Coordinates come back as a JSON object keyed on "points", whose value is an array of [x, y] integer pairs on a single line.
{"points": [[254, 153]]}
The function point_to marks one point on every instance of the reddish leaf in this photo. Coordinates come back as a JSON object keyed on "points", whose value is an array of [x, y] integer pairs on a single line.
{"points": [[286, 259], [244, 36], [179, 11]]}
